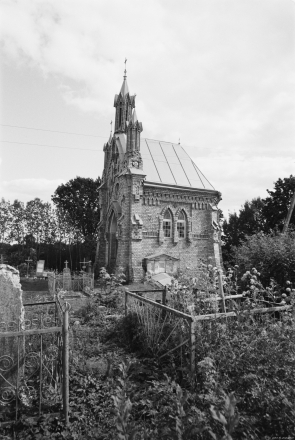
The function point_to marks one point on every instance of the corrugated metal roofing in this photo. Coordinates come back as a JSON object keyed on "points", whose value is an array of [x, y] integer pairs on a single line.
{"points": [[168, 163]]}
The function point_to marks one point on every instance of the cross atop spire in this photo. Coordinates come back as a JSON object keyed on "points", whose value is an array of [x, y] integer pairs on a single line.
{"points": [[125, 71]]}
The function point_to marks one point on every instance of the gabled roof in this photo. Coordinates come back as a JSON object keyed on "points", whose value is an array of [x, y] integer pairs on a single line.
{"points": [[168, 163], [160, 256]]}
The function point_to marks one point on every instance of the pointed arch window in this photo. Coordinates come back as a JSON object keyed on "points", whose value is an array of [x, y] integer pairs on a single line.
{"points": [[120, 116], [167, 224], [181, 225]]}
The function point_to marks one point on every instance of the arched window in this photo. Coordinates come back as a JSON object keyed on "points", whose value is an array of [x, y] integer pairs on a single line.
{"points": [[167, 224], [120, 116], [181, 225]]}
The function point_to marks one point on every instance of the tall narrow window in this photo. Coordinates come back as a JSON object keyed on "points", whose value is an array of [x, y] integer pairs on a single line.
{"points": [[181, 225], [120, 117], [167, 224]]}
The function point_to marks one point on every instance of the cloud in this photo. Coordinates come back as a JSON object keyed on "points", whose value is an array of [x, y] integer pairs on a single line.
{"points": [[28, 189], [240, 179], [216, 74]]}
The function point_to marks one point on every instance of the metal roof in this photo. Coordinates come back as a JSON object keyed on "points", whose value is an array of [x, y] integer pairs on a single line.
{"points": [[168, 163]]}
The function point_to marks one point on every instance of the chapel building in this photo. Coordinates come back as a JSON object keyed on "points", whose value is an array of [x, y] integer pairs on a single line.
{"points": [[158, 211]]}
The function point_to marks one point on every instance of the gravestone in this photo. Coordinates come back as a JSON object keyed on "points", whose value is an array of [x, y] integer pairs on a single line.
{"points": [[67, 278], [11, 295], [11, 320], [40, 268]]}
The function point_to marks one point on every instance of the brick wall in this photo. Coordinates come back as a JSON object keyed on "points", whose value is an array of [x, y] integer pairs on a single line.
{"points": [[139, 207]]}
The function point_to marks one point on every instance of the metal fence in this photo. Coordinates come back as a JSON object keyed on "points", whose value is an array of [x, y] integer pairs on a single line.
{"points": [[76, 283], [164, 327], [34, 362], [168, 330]]}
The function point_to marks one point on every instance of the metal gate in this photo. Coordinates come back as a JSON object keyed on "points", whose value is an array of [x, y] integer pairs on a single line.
{"points": [[34, 362]]}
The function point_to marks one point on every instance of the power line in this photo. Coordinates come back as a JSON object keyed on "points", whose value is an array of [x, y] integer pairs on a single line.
{"points": [[69, 132], [50, 146], [52, 131], [86, 149]]}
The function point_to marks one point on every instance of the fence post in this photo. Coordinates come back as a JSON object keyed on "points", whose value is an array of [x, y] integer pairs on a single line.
{"points": [[192, 348], [65, 331], [53, 284], [126, 299], [164, 295], [221, 290]]}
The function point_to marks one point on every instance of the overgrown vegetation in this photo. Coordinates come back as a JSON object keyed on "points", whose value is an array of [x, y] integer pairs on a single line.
{"points": [[258, 216], [272, 254], [241, 390]]}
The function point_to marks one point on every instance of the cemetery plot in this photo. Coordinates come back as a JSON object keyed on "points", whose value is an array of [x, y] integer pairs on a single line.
{"points": [[167, 329]]}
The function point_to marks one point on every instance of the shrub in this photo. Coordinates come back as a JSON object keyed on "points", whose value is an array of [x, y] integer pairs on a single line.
{"points": [[273, 255]]}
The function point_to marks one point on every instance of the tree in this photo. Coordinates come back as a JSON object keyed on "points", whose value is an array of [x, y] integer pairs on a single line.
{"points": [[79, 199], [249, 221], [277, 204], [5, 220], [18, 229], [273, 255], [39, 222]]}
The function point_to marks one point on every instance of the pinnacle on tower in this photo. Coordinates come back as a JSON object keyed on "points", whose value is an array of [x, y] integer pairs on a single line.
{"points": [[134, 117], [124, 104]]}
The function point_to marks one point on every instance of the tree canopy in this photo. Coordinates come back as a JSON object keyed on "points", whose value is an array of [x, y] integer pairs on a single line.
{"points": [[276, 206], [259, 215], [78, 199]]}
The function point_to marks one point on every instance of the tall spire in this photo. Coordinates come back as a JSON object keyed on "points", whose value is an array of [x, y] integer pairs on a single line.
{"points": [[124, 104], [124, 89]]}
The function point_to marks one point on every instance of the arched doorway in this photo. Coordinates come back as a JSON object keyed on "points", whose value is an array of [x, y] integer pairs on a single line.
{"points": [[113, 242]]}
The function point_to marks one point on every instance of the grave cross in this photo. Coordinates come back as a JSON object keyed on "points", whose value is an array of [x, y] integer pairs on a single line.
{"points": [[66, 263], [84, 263], [28, 265]]}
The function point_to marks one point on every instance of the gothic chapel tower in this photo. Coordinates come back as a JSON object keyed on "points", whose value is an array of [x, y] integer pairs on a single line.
{"points": [[158, 211], [122, 180]]}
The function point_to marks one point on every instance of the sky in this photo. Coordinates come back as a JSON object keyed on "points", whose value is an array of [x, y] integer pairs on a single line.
{"points": [[216, 74]]}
